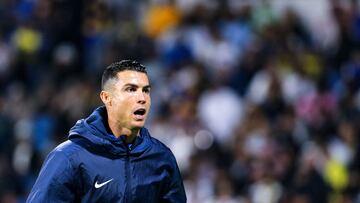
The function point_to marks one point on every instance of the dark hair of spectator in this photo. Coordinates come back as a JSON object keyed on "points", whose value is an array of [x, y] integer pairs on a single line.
{"points": [[111, 71]]}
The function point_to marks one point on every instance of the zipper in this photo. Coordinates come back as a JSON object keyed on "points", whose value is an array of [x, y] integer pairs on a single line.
{"points": [[127, 176]]}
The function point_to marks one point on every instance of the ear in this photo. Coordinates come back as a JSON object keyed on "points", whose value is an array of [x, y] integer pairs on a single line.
{"points": [[105, 97]]}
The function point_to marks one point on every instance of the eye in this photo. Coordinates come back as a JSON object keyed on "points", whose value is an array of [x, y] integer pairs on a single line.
{"points": [[130, 89], [146, 90]]}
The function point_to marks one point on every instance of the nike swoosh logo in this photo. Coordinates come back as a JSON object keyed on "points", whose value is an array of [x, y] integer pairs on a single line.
{"points": [[97, 185]]}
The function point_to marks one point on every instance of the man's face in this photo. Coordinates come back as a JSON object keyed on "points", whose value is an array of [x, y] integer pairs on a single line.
{"points": [[130, 99]]}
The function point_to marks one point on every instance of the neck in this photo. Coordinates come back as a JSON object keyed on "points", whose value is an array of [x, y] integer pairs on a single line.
{"points": [[118, 130]]}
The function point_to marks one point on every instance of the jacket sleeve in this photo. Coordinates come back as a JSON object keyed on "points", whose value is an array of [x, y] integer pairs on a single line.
{"points": [[55, 181], [175, 192]]}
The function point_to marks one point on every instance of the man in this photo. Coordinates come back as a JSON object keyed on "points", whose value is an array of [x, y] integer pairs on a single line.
{"points": [[110, 156]]}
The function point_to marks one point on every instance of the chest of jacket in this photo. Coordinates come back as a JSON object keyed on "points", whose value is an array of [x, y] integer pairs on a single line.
{"points": [[126, 179]]}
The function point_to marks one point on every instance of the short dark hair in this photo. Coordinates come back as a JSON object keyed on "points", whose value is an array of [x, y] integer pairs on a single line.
{"points": [[112, 70]]}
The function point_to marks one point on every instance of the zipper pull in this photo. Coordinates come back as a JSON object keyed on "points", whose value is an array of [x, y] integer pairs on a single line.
{"points": [[129, 146]]}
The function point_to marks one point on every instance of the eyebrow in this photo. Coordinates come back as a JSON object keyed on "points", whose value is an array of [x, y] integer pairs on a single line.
{"points": [[134, 85]]}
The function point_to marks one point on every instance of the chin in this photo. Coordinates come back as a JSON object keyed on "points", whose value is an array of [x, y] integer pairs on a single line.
{"points": [[138, 125]]}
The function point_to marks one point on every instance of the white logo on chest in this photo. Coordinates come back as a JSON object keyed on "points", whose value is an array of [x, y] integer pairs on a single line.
{"points": [[97, 185]]}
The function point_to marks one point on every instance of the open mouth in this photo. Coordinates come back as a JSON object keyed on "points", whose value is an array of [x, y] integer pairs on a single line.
{"points": [[140, 112]]}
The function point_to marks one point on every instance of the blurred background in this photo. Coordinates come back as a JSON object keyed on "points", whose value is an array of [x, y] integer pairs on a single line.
{"points": [[259, 100]]}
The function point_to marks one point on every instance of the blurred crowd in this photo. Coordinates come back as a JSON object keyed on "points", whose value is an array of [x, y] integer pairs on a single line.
{"points": [[259, 100]]}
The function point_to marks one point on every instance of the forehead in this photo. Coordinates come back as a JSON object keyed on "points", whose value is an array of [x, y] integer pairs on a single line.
{"points": [[133, 77]]}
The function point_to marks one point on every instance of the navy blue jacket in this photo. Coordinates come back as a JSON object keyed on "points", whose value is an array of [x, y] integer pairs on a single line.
{"points": [[94, 166]]}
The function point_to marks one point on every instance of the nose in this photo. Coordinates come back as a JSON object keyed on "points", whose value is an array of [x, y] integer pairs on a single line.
{"points": [[141, 98]]}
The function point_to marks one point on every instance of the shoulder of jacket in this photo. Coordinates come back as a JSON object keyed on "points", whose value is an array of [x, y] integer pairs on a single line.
{"points": [[160, 146], [68, 149]]}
